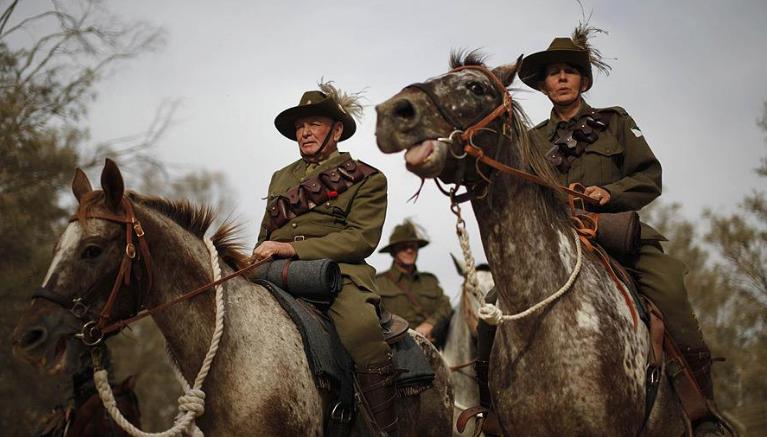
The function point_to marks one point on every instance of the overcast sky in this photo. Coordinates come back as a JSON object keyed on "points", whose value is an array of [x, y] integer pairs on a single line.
{"points": [[691, 73]]}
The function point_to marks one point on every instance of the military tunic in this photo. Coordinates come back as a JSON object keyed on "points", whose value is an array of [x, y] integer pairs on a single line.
{"points": [[432, 304], [345, 229], [621, 162]]}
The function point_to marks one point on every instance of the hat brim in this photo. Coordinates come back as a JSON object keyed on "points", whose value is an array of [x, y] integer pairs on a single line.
{"points": [[388, 248], [285, 122], [533, 65]]}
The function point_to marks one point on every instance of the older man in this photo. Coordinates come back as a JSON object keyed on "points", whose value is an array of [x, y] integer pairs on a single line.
{"points": [[337, 214], [411, 294]]}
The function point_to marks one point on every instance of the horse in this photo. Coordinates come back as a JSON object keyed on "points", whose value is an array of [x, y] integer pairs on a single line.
{"points": [[84, 414], [576, 366], [260, 381], [460, 349]]}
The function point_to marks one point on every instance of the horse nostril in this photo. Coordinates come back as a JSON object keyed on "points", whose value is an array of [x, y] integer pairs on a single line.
{"points": [[404, 109], [33, 337]]}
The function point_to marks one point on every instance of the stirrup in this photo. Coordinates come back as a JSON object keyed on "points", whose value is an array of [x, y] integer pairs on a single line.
{"points": [[485, 420]]}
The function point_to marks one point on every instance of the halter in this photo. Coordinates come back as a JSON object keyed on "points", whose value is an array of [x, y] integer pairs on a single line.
{"points": [[93, 330]]}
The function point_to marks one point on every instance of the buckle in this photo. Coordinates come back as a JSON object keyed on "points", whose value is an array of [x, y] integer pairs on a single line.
{"points": [[299, 238], [340, 414], [139, 230], [79, 308], [130, 250]]}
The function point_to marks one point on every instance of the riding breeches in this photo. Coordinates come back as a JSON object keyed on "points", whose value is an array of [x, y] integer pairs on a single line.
{"points": [[355, 318], [661, 278]]}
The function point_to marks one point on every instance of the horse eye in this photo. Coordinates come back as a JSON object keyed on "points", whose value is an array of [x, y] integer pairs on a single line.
{"points": [[91, 252], [476, 88]]}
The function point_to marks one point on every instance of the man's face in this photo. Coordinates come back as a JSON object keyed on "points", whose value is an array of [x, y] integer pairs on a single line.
{"points": [[563, 83], [311, 132], [405, 254]]}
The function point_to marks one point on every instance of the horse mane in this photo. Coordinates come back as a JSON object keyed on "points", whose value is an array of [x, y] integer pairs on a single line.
{"points": [[462, 58], [196, 219]]}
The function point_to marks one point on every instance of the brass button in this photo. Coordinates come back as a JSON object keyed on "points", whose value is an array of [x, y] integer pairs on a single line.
{"points": [[327, 204], [293, 224]]}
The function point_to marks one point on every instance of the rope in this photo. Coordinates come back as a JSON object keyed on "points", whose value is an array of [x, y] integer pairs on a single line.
{"points": [[493, 315], [471, 284], [192, 403]]}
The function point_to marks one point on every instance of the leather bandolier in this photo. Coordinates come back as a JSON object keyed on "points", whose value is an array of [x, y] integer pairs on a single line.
{"points": [[316, 190], [571, 138]]}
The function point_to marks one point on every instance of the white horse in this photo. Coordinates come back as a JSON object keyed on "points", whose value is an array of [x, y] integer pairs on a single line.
{"points": [[461, 346]]}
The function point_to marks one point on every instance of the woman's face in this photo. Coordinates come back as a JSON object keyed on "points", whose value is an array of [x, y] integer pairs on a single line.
{"points": [[563, 83]]}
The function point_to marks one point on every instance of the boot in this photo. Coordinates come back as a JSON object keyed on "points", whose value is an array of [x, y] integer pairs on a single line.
{"points": [[377, 388], [485, 337], [716, 425]]}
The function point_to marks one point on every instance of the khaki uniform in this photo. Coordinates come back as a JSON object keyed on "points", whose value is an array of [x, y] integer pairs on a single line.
{"points": [[621, 162], [347, 230], [432, 304]]}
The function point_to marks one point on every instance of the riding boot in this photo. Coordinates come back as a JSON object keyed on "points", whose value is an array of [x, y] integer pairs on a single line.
{"points": [[699, 360], [485, 337], [377, 387]]}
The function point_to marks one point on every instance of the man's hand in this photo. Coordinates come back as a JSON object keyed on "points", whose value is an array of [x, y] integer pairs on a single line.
{"points": [[272, 249], [598, 193], [425, 330]]}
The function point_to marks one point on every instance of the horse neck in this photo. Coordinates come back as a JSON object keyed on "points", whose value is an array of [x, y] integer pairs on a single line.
{"points": [[524, 232], [181, 263]]}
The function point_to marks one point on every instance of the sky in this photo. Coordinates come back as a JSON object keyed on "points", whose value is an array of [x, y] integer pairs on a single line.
{"points": [[691, 73]]}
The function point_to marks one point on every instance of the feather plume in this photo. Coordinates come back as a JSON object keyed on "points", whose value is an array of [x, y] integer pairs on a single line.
{"points": [[349, 102], [581, 36]]}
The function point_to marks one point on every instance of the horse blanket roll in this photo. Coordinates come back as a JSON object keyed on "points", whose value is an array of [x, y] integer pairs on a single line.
{"points": [[317, 281]]}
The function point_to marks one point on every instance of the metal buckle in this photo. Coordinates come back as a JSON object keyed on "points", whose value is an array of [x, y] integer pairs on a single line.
{"points": [[299, 238], [130, 250], [653, 374], [139, 230], [339, 413], [79, 309], [91, 334]]}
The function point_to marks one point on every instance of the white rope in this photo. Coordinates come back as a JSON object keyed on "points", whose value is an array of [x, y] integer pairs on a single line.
{"points": [[493, 315], [192, 403]]}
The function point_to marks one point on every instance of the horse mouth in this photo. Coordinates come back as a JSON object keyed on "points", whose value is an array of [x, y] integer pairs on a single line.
{"points": [[423, 158]]}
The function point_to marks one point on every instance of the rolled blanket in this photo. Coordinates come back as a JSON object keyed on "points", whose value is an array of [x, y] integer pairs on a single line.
{"points": [[317, 281]]}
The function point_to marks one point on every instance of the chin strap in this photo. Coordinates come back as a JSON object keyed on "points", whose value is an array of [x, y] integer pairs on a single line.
{"points": [[317, 156]]}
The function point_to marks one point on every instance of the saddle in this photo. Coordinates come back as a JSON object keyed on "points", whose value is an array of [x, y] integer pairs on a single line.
{"points": [[332, 365]]}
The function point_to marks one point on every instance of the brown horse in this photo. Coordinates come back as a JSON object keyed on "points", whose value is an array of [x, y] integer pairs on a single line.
{"points": [[260, 381], [578, 366]]}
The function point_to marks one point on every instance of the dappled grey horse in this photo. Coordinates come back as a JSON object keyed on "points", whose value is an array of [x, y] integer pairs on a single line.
{"points": [[578, 365], [260, 381]]}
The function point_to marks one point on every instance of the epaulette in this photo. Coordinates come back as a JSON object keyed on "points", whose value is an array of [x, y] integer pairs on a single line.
{"points": [[615, 109], [541, 124]]}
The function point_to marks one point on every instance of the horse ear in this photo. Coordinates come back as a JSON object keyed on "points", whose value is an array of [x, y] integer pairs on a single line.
{"points": [[459, 266], [507, 72], [112, 184], [80, 184]]}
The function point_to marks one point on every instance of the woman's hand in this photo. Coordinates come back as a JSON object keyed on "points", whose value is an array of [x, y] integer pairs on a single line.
{"points": [[598, 193]]}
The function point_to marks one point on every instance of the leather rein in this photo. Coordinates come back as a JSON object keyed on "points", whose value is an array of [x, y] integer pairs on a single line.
{"points": [[466, 136], [95, 329]]}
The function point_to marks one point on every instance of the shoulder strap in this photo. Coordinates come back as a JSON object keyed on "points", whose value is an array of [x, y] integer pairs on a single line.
{"points": [[409, 293], [316, 190]]}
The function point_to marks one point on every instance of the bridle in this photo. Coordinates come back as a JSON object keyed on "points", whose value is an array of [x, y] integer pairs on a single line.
{"points": [[464, 135], [95, 329]]}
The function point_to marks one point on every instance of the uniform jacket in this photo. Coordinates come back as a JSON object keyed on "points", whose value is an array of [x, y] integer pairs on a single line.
{"points": [[345, 229], [620, 161], [434, 306]]}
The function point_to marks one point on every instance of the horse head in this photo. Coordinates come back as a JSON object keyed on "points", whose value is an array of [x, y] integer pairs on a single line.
{"points": [[81, 276], [427, 119]]}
